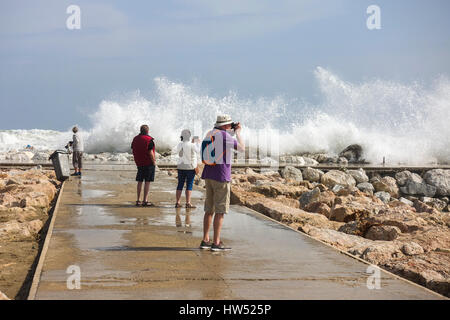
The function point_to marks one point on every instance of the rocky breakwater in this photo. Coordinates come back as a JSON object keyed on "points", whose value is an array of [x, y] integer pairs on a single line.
{"points": [[400, 223], [26, 197]]}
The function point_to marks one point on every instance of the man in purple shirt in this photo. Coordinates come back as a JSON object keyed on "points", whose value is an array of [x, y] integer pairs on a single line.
{"points": [[217, 175]]}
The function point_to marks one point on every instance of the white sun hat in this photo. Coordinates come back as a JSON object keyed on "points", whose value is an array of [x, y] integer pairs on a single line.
{"points": [[223, 120]]}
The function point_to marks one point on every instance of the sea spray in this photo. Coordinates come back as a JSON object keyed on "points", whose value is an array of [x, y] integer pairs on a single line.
{"points": [[403, 123]]}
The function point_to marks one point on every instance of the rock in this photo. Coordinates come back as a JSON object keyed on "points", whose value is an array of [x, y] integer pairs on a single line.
{"points": [[276, 189], [35, 226], [312, 175], [359, 175], [387, 184], [12, 181], [343, 214], [337, 239], [403, 218], [379, 253], [352, 153], [310, 161], [337, 188], [351, 227], [308, 197], [422, 207], [412, 248], [279, 211], [385, 233], [342, 161], [3, 296], [383, 196], [319, 207], [334, 177], [414, 188], [291, 173], [14, 227], [435, 203], [366, 187], [405, 176], [406, 201], [440, 179]]}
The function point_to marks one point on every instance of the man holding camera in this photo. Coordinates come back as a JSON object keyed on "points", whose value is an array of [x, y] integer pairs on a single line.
{"points": [[78, 149], [217, 151]]}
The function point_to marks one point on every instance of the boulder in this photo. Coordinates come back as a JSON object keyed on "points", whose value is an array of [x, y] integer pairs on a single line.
{"points": [[406, 201], [342, 161], [383, 196], [412, 248], [35, 226], [337, 239], [319, 207], [435, 203], [291, 173], [276, 189], [381, 252], [422, 207], [337, 188], [415, 188], [440, 179], [366, 187], [353, 153], [312, 175], [334, 177], [404, 176], [343, 214], [385, 233], [308, 197], [404, 218], [387, 184], [351, 227], [359, 175], [279, 211], [14, 227]]}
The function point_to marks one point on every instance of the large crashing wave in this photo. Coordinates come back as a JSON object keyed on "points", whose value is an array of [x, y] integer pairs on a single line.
{"points": [[403, 123]]}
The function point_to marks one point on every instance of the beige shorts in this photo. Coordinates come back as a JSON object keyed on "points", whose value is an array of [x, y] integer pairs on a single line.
{"points": [[77, 159], [217, 196]]}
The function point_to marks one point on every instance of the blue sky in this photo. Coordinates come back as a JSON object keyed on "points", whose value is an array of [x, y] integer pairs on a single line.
{"points": [[51, 76]]}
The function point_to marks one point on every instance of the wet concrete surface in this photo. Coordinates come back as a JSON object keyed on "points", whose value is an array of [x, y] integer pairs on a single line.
{"points": [[129, 252]]}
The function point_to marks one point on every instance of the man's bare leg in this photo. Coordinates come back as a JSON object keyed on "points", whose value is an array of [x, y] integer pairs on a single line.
{"points": [[139, 187], [207, 219], [146, 190], [218, 220]]}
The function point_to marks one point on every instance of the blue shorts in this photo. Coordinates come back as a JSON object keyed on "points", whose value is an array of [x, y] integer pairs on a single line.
{"points": [[188, 176]]}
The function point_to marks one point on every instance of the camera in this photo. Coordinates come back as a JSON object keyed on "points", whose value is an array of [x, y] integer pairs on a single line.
{"points": [[234, 125]]}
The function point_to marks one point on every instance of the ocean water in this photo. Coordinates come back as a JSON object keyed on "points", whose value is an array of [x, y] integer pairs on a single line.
{"points": [[405, 123]]}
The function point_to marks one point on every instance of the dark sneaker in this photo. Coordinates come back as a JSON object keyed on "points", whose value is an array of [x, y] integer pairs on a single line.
{"points": [[205, 245], [220, 247]]}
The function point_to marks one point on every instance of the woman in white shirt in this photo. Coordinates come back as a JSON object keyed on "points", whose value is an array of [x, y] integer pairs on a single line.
{"points": [[189, 153]]}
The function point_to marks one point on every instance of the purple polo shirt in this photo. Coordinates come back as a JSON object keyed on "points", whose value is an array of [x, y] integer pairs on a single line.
{"points": [[223, 147]]}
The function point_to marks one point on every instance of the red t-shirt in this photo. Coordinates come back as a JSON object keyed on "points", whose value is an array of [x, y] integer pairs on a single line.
{"points": [[141, 144]]}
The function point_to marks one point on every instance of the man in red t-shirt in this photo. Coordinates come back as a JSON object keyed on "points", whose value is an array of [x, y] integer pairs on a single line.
{"points": [[144, 156]]}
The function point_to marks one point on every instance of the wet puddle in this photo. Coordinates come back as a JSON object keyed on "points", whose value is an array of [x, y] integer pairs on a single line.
{"points": [[86, 239]]}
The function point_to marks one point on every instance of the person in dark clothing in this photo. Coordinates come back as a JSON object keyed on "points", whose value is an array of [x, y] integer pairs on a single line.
{"points": [[143, 147]]}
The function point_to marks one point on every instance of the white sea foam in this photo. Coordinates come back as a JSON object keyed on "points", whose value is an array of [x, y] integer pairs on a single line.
{"points": [[406, 123]]}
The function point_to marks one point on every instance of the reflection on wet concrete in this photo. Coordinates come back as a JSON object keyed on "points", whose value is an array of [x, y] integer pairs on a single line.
{"points": [[129, 252]]}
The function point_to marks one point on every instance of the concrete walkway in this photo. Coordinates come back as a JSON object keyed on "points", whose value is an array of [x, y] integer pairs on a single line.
{"points": [[125, 252]]}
